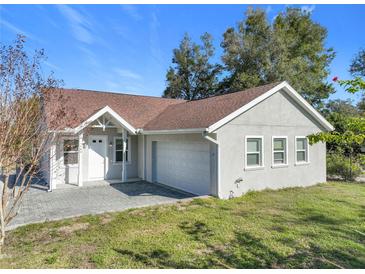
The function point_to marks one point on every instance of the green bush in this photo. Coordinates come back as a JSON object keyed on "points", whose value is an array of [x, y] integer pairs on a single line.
{"points": [[343, 167]]}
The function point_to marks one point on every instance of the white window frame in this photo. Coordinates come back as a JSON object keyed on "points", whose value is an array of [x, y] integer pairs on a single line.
{"points": [[285, 152], [295, 151], [63, 151], [115, 150], [262, 165]]}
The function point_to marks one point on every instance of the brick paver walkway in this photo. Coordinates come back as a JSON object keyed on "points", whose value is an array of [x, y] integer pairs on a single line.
{"points": [[40, 206]]}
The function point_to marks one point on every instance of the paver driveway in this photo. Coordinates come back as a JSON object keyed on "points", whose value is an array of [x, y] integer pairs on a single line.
{"points": [[39, 206]]}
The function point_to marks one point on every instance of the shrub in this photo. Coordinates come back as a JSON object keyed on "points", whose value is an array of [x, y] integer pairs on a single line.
{"points": [[343, 167]]}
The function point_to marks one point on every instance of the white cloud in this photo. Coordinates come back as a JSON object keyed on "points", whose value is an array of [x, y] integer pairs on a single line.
{"points": [[125, 73], [51, 65], [132, 11], [15, 29], [155, 48], [308, 9], [80, 25]]}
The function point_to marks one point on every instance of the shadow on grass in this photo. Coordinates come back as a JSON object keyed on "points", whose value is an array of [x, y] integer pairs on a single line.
{"points": [[154, 259], [245, 251]]}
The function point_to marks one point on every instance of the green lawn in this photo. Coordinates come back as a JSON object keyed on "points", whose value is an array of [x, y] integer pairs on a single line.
{"points": [[316, 227]]}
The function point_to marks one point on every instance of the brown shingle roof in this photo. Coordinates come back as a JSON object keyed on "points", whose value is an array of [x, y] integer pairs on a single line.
{"points": [[136, 110], [154, 113], [205, 112]]}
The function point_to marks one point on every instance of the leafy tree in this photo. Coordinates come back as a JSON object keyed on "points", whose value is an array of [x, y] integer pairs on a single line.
{"points": [[292, 48], [347, 138], [361, 105], [357, 67], [248, 52], [193, 76], [344, 107]]}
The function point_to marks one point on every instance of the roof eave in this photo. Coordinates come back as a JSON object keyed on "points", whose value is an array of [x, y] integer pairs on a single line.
{"points": [[95, 116], [290, 90]]}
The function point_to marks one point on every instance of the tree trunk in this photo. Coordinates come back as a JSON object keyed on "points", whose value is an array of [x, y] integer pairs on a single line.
{"points": [[2, 224], [2, 213]]}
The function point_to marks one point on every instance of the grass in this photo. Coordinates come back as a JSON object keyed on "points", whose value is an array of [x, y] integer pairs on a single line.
{"points": [[317, 227]]}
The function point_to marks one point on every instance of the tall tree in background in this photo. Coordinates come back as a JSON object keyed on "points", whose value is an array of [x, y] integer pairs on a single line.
{"points": [[357, 67], [248, 53], [292, 48], [193, 76], [344, 107]]}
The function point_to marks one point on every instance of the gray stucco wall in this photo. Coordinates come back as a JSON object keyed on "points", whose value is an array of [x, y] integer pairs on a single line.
{"points": [[278, 115]]}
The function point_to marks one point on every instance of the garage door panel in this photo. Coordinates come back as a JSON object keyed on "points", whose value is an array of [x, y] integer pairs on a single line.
{"points": [[183, 165]]}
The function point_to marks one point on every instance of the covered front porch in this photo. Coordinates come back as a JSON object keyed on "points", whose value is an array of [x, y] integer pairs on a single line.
{"points": [[103, 150]]}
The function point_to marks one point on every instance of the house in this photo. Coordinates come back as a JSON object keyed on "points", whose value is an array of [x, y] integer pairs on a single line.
{"points": [[223, 145]]}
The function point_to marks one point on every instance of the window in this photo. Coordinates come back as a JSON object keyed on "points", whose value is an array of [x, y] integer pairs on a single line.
{"points": [[118, 150], [71, 152], [254, 152], [280, 151], [301, 150]]}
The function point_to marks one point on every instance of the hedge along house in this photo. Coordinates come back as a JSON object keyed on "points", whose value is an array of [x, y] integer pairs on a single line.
{"points": [[223, 145]]}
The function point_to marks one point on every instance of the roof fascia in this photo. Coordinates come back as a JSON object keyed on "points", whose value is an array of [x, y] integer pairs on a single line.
{"points": [[95, 116], [244, 108], [301, 101], [289, 90], [174, 131]]}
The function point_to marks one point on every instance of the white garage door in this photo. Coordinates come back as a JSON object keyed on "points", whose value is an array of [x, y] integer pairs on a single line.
{"points": [[185, 166]]}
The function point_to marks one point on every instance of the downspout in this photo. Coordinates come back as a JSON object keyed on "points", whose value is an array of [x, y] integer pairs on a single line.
{"points": [[210, 139]]}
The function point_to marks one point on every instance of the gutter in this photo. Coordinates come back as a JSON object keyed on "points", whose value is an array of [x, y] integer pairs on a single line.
{"points": [[214, 141]]}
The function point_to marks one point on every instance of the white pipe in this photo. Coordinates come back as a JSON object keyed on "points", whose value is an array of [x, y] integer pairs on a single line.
{"points": [[210, 139]]}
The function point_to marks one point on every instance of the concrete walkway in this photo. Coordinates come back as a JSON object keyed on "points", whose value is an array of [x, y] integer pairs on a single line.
{"points": [[40, 206]]}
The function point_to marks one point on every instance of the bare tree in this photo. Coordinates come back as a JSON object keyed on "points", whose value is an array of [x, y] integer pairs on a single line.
{"points": [[24, 137]]}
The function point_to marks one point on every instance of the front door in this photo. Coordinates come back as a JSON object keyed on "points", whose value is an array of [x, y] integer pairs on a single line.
{"points": [[97, 155]]}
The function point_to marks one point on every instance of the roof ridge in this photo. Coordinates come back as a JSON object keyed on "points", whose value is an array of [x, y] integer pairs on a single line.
{"points": [[154, 119], [120, 93], [238, 91]]}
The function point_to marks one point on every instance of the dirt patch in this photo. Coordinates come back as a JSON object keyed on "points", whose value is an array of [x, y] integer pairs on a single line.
{"points": [[105, 219], [138, 212], [69, 229]]}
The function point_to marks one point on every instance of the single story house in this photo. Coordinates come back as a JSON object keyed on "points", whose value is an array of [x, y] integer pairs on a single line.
{"points": [[224, 145]]}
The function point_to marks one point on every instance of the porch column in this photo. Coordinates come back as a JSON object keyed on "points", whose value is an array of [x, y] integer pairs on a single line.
{"points": [[81, 141], [52, 166], [124, 171]]}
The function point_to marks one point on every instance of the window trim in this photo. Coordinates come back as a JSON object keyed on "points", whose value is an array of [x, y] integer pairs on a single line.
{"points": [[262, 165], [286, 152], [63, 151], [115, 138], [307, 151]]}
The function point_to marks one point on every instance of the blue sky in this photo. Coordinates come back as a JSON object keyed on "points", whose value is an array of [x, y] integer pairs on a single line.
{"points": [[128, 48]]}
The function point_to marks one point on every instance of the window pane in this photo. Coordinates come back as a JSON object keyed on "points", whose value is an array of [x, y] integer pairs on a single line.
{"points": [[253, 145], [119, 144], [118, 156], [301, 157], [279, 158], [301, 144], [70, 158], [70, 145], [253, 160], [279, 144]]}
